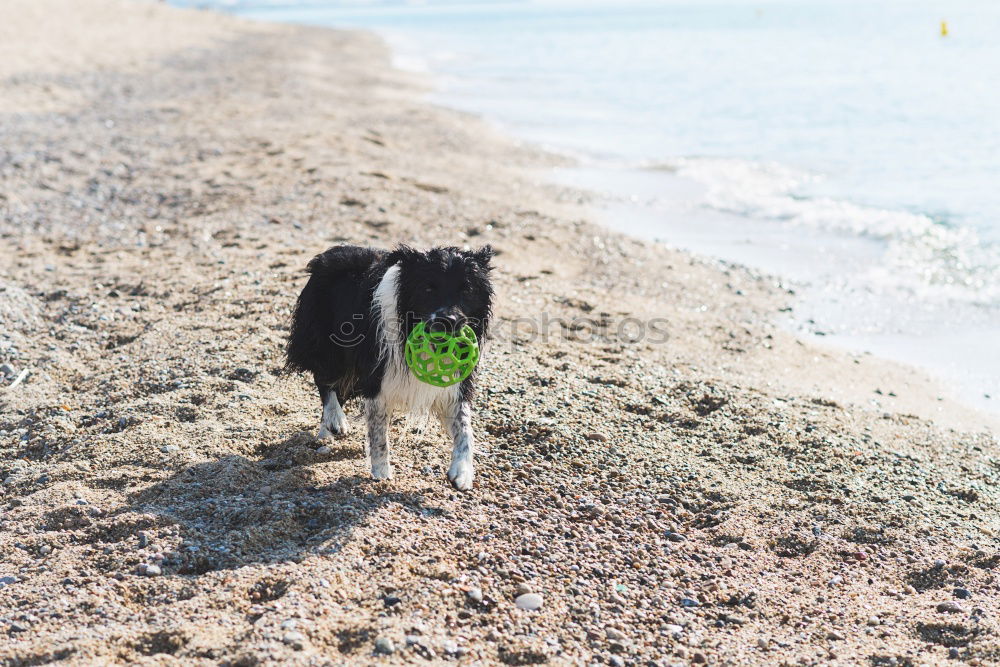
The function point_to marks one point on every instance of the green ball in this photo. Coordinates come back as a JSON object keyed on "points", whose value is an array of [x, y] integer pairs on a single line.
{"points": [[439, 358]]}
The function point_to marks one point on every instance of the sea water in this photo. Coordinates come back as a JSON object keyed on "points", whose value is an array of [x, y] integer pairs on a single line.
{"points": [[850, 147]]}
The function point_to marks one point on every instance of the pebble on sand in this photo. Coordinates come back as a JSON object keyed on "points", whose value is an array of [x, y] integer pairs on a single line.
{"points": [[950, 607], [294, 639], [384, 646], [529, 601], [615, 635]]}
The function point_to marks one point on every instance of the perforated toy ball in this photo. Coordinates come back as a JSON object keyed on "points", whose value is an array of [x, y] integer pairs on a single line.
{"points": [[439, 358]]}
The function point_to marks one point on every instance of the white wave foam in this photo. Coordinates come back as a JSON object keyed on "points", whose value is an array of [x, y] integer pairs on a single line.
{"points": [[921, 254]]}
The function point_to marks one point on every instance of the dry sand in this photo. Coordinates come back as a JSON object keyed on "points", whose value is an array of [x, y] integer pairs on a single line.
{"points": [[729, 496]]}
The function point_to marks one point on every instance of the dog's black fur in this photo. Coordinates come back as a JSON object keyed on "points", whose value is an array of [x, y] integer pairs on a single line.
{"points": [[335, 326]]}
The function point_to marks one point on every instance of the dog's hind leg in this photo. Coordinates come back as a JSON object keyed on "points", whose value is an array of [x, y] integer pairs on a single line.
{"points": [[378, 438], [456, 417], [334, 421]]}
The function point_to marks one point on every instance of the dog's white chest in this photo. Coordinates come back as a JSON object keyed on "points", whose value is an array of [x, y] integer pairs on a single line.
{"points": [[401, 391]]}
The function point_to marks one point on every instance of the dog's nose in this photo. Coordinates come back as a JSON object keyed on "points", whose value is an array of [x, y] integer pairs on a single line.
{"points": [[448, 322]]}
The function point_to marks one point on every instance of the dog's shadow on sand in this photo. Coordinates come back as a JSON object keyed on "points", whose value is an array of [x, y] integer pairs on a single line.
{"points": [[234, 511]]}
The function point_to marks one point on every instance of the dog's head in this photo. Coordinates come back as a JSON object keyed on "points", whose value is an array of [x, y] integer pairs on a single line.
{"points": [[446, 288]]}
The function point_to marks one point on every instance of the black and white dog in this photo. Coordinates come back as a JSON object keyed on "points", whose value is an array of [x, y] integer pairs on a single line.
{"points": [[350, 326]]}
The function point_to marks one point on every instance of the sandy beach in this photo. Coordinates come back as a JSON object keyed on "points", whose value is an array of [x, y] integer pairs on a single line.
{"points": [[712, 491]]}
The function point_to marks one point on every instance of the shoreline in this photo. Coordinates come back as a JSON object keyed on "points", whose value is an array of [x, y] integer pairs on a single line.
{"points": [[806, 259], [731, 495]]}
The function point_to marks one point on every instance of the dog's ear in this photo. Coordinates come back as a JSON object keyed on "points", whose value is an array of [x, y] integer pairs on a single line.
{"points": [[400, 254], [484, 256]]}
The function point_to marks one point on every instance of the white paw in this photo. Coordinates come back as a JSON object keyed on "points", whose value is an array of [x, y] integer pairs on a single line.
{"points": [[334, 429], [460, 474], [382, 470]]}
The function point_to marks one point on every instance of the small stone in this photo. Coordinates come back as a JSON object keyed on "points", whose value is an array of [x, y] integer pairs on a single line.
{"points": [[953, 653], [523, 589], [833, 635], [950, 607], [597, 437], [673, 629], [294, 639], [689, 602], [796, 590], [835, 581], [616, 661], [676, 537], [143, 539], [763, 644], [8, 370], [152, 571], [529, 601], [615, 635], [874, 621], [938, 564], [390, 600], [962, 594], [384, 645], [449, 647], [45, 550], [18, 627], [699, 658], [475, 595], [325, 449], [6, 581], [167, 449], [289, 624]]}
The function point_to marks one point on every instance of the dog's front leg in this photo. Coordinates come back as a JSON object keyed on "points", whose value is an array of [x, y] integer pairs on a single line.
{"points": [[456, 417], [334, 421], [377, 416]]}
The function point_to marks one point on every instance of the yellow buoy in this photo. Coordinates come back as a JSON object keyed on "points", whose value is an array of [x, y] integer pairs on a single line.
{"points": [[944, 28]]}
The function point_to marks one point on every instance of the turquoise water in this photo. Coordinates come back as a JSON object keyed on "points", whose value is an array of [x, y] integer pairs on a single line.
{"points": [[846, 145]]}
